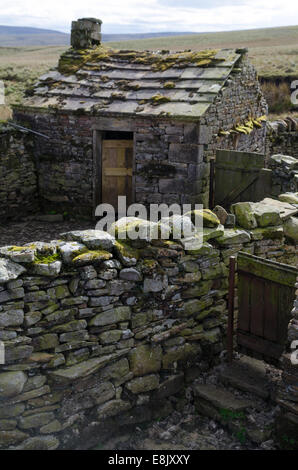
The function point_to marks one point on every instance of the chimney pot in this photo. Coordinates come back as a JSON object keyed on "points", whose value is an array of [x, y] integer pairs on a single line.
{"points": [[86, 33]]}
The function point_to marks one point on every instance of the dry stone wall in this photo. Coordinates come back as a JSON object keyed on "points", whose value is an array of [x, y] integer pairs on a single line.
{"points": [[282, 137], [99, 333], [65, 161], [18, 179], [284, 174]]}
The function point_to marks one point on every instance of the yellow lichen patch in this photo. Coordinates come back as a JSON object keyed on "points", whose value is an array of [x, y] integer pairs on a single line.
{"points": [[208, 218], [202, 62], [118, 96], [244, 128], [92, 256], [223, 133], [17, 248], [72, 60], [158, 99], [169, 85]]}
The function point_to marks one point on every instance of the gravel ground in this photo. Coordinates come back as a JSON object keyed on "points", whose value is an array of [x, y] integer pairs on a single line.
{"points": [[31, 230], [185, 429]]}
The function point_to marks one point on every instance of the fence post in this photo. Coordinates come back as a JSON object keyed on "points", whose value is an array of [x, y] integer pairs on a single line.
{"points": [[2, 353], [211, 183], [230, 331]]}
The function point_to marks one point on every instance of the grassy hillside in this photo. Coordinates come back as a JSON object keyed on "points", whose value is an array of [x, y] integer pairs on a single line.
{"points": [[20, 67], [273, 51]]}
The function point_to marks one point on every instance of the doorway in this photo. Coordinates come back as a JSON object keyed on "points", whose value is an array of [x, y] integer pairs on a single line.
{"points": [[117, 167]]}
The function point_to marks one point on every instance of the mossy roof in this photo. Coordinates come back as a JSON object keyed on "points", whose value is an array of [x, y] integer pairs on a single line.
{"points": [[102, 81]]}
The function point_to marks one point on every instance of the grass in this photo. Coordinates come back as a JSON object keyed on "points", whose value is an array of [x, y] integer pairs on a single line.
{"points": [[278, 97], [273, 51], [20, 67]]}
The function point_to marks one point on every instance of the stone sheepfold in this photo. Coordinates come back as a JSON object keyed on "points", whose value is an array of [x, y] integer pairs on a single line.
{"points": [[98, 331]]}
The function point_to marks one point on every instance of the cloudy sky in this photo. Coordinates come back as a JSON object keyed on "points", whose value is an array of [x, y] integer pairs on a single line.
{"points": [[131, 16]]}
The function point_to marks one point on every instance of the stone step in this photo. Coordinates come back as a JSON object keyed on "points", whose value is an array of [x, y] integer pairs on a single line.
{"points": [[222, 406], [247, 374], [217, 398]]}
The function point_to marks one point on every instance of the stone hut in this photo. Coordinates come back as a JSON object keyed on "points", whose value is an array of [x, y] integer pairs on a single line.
{"points": [[138, 123]]}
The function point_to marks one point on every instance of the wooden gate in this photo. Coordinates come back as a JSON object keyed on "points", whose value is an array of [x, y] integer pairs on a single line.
{"points": [[266, 293], [117, 163], [240, 176]]}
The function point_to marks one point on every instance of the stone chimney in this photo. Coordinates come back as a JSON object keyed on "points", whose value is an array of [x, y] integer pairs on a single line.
{"points": [[85, 33]]}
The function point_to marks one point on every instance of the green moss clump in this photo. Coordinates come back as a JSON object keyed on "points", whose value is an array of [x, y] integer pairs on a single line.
{"points": [[158, 99], [127, 251], [46, 259], [169, 85], [72, 60], [118, 96], [149, 263], [181, 59]]}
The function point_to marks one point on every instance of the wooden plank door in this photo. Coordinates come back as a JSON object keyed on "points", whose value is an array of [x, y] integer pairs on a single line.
{"points": [[117, 163], [266, 293], [240, 176]]}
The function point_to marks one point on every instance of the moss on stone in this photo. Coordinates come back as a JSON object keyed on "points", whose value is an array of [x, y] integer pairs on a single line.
{"points": [[169, 85], [92, 256], [72, 60], [127, 251], [17, 248], [210, 220], [158, 99], [46, 259]]}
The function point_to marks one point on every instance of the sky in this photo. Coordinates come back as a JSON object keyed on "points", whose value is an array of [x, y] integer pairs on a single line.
{"points": [[137, 16]]}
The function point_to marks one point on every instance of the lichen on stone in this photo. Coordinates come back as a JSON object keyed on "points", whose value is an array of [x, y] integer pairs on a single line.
{"points": [[158, 99], [127, 251], [169, 85], [91, 256], [245, 127]]}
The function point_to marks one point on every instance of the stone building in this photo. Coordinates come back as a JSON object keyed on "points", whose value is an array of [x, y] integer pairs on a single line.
{"points": [[140, 124]]}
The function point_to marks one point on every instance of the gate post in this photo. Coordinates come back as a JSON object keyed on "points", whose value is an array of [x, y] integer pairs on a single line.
{"points": [[211, 183], [230, 331]]}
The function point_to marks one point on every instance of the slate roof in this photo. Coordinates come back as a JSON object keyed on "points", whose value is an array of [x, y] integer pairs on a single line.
{"points": [[127, 83]]}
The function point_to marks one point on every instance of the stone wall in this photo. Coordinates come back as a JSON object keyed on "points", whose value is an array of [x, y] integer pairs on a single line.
{"points": [[98, 332], [65, 161], [18, 186], [171, 157], [282, 137], [284, 174]]}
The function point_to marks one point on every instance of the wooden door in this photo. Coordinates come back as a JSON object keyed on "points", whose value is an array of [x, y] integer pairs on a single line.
{"points": [[240, 176], [117, 163], [266, 293]]}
